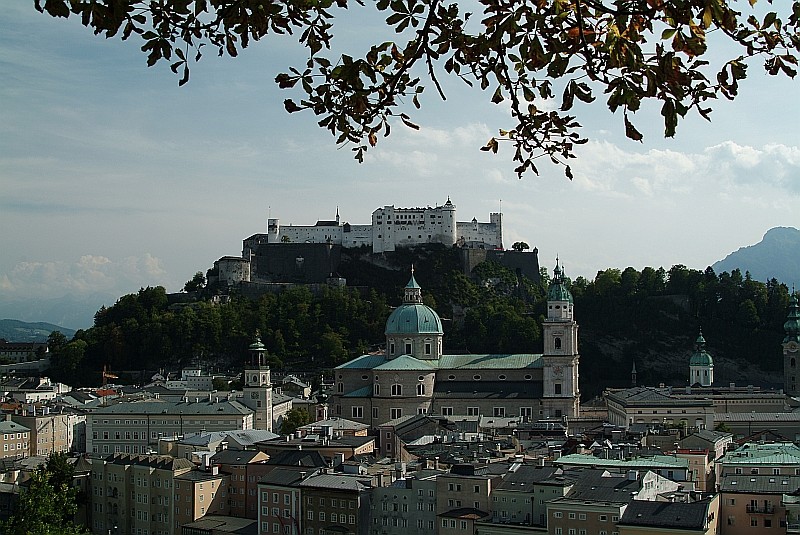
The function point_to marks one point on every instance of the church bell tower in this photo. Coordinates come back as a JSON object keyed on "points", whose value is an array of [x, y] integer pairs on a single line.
{"points": [[257, 388], [561, 394], [791, 348]]}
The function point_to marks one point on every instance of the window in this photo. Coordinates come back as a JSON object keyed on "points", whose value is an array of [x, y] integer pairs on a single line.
{"points": [[603, 518], [557, 387], [473, 411], [358, 412], [376, 389], [447, 411], [499, 412], [421, 389], [427, 348], [375, 412], [395, 413], [397, 389], [557, 343], [753, 522], [408, 348], [557, 514]]}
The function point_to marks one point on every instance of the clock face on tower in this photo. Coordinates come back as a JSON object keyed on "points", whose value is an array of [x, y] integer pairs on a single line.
{"points": [[792, 346]]}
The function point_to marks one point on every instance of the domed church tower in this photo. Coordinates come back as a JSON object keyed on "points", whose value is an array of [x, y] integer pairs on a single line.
{"points": [[791, 344], [413, 328], [701, 365], [257, 387], [561, 394]]}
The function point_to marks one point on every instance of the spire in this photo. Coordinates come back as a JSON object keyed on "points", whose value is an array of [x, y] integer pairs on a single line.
{"points": [[413, 293], [633, 373], [337, 214]]}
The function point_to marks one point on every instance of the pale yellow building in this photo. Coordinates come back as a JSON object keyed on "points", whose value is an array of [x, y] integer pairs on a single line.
{"points": [[134, 494]]}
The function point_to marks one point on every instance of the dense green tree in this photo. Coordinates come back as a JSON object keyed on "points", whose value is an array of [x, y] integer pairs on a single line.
{"points": [[293, 419], [539, 57], [520, 246], [196, 283], [48, 503]]}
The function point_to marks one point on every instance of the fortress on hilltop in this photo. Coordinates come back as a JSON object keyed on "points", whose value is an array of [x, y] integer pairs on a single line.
{"points": [[390, 229], [311, 254]]}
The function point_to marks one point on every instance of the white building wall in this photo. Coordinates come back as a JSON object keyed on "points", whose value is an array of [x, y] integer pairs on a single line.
{"points": [[391, 228]]}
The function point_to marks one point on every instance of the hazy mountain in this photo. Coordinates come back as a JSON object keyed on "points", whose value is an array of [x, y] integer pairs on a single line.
{"points": [[776, 255], [21, 331], [69, 311]]}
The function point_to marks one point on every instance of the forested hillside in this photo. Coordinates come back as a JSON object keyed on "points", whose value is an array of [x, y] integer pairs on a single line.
{"points": [[651, 315]]}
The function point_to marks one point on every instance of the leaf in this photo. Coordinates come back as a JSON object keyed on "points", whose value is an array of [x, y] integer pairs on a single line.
{"points": [[630, 130]]}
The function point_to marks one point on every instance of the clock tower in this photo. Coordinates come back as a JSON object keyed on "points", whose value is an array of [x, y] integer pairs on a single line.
{"points": [[561, 395], [791, 348], [257, 388]]}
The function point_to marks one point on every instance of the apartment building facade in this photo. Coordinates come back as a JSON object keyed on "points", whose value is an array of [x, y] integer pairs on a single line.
{"points": [[134, 427], [134, 494]]}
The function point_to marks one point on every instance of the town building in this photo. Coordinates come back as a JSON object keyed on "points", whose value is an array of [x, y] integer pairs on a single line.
{"points": [[671, 517], [753, 503], [406, 506], [136, 426], [598, 499], [53, 432], [17, 352], [414, 376], [336, 504], [135, 494], [280, 504], [14, 439], [200, 492], [257, 388]]}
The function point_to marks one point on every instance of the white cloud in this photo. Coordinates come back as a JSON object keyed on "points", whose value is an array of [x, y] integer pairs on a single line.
{"points": [[89, 274]]}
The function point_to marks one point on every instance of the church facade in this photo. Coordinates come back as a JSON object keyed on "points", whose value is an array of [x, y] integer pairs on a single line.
{"points": [[414, 375]]}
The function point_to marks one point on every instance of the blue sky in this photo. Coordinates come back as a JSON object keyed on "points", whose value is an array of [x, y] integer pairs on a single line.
{"points": [[112, 177]]}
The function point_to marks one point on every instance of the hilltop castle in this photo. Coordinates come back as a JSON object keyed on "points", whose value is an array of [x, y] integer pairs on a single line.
{"points": [[390, 228]]}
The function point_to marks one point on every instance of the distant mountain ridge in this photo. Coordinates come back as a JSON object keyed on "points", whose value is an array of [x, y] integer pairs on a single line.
{"points": [[776, 255], [22, 331]]}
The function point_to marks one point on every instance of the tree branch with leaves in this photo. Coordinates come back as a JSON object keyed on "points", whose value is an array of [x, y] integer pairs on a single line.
{"points": [[540, 55]]}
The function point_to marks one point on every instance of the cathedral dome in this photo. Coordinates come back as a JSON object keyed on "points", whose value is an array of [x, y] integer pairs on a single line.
{"points": [[412, 317]]}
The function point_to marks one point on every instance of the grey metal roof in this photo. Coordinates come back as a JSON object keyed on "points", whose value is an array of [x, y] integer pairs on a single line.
{"points": [[286, 476], [8, 426], [524, 477], [198, 475], [602, 486], [304, 458], [249, 437], [225, 524], [337, 482], [678, 515], [759, 484], [162, 462], [336, 424], [234, 456], [155, 407]]}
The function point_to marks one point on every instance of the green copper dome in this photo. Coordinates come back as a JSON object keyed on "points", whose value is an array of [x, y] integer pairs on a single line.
{"points": [[412, 317], [700, 357], [558, 291], [792, 325]]}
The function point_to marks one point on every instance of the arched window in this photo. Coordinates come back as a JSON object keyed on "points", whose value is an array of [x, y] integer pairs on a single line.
{"points": [[397, 389], [792, 362], [557, 343], [421, 389], [376, 389]]}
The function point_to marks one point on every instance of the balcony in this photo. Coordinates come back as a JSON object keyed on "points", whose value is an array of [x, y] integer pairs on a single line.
{"points": [[792, 528], [765, 509]]}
